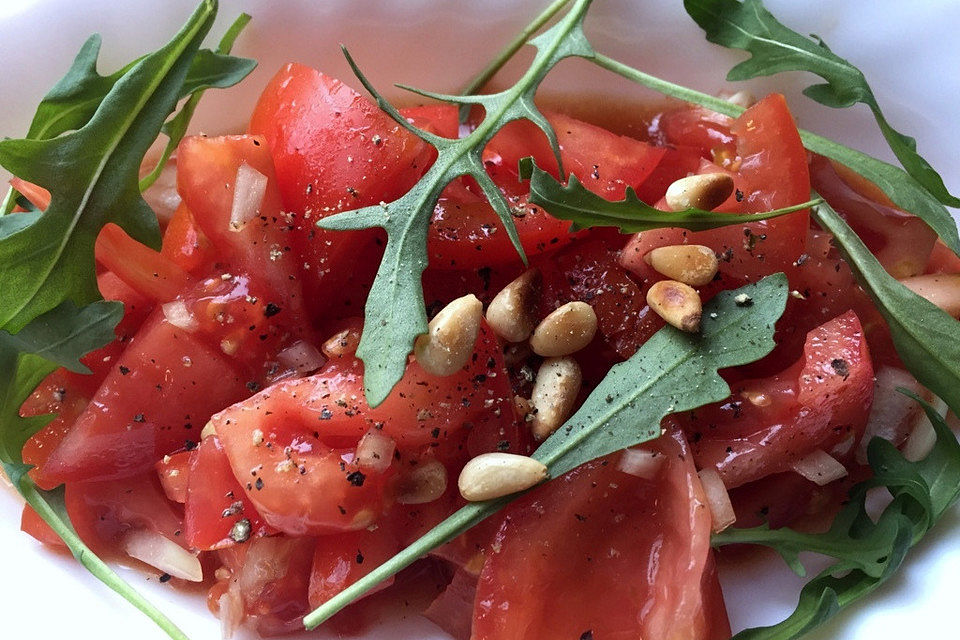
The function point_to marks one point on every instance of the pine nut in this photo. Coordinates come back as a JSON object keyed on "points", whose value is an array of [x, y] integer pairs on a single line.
{"points": [[494, 475], [743, 99], [692, 264], [677, 303], [706, 191], [554, 395], [451, 337], [512, 312], [941, 289], [343, 343], [566, 330], [426, 483]]}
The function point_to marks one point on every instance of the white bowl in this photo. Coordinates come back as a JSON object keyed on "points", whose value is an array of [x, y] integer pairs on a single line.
{"points": [[907, 50]]}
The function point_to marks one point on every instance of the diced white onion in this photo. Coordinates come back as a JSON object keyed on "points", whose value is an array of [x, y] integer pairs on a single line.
{"points": [[249, 189], [892, 413], [820, 467], [640, 462], [375, 452], [721, 509], [426, 483], [923, 436], [179, 315], [163, 554], [301, 357], [231, 611]]}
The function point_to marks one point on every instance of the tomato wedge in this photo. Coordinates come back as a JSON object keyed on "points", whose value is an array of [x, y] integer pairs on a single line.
{"points": [[608, 555]]}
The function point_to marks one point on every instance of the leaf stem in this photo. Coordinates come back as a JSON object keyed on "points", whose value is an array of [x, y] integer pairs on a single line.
{"points": [[489, 71]]}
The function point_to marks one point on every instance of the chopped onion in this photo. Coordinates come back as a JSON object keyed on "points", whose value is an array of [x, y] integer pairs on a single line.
{"points": [[179, 315], [163, 554], [721, 509], [426, 483], [301, 357], [820, 467], [892, 413], [375, 451], [231, 611], [249, 189], [923, 436], [640, 462]]}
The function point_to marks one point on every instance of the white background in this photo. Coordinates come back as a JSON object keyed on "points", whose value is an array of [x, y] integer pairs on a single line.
{"points": [[907, 49]]}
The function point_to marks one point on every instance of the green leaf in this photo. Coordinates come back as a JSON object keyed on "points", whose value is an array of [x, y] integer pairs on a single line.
{"points": [[900, 187], [92, 174], [775, 48], [395, 312], [673, 371], [586, 209], [221, 71], [65, 334], [71, 103], [867, 552], [927, 339]]}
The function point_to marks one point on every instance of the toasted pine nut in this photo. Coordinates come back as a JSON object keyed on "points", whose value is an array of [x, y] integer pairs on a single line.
{"points": [[426, 483], [692, 264], [343, 343], [554, 394], [941, 289], [208, 430], [512, 312], [450, 338], [677, 303], [743, 99], [705, 191], [566, 330], [494, 475]]}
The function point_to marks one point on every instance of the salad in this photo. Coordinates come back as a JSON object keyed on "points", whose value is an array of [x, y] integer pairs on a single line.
{"points": [[476, 347]]}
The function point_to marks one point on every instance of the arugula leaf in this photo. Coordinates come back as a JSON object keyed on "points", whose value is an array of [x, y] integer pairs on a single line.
{"points": [[867, 552], [92, 173], [71, 103], [586, 209], [774, 48], [673, 371], [176, 127], [395, 313], [927, 339], [900, 187]]}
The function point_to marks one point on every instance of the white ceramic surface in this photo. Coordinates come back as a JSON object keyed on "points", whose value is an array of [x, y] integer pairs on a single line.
{"points": [[907, 50]]}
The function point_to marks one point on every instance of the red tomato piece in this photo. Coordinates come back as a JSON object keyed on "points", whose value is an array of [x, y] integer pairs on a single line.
{"points": [[900, 241], [441, 119], [148, 272], [943, 259], [207, 171], [164, 388], [215, 501], [32, 524], [614, 556], [103, 512], [342, 559], [174, 473], [817, 403], [334, 150], [185, 243]]}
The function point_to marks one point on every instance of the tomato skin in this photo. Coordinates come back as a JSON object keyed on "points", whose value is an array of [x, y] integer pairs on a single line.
{"points": [[33, 525], [215, 501], [148, 272], [772, 173], [943, 260], [342, 559], [185, 243], [441, 119], [769, 424], [155, 400], [620, 556]]}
